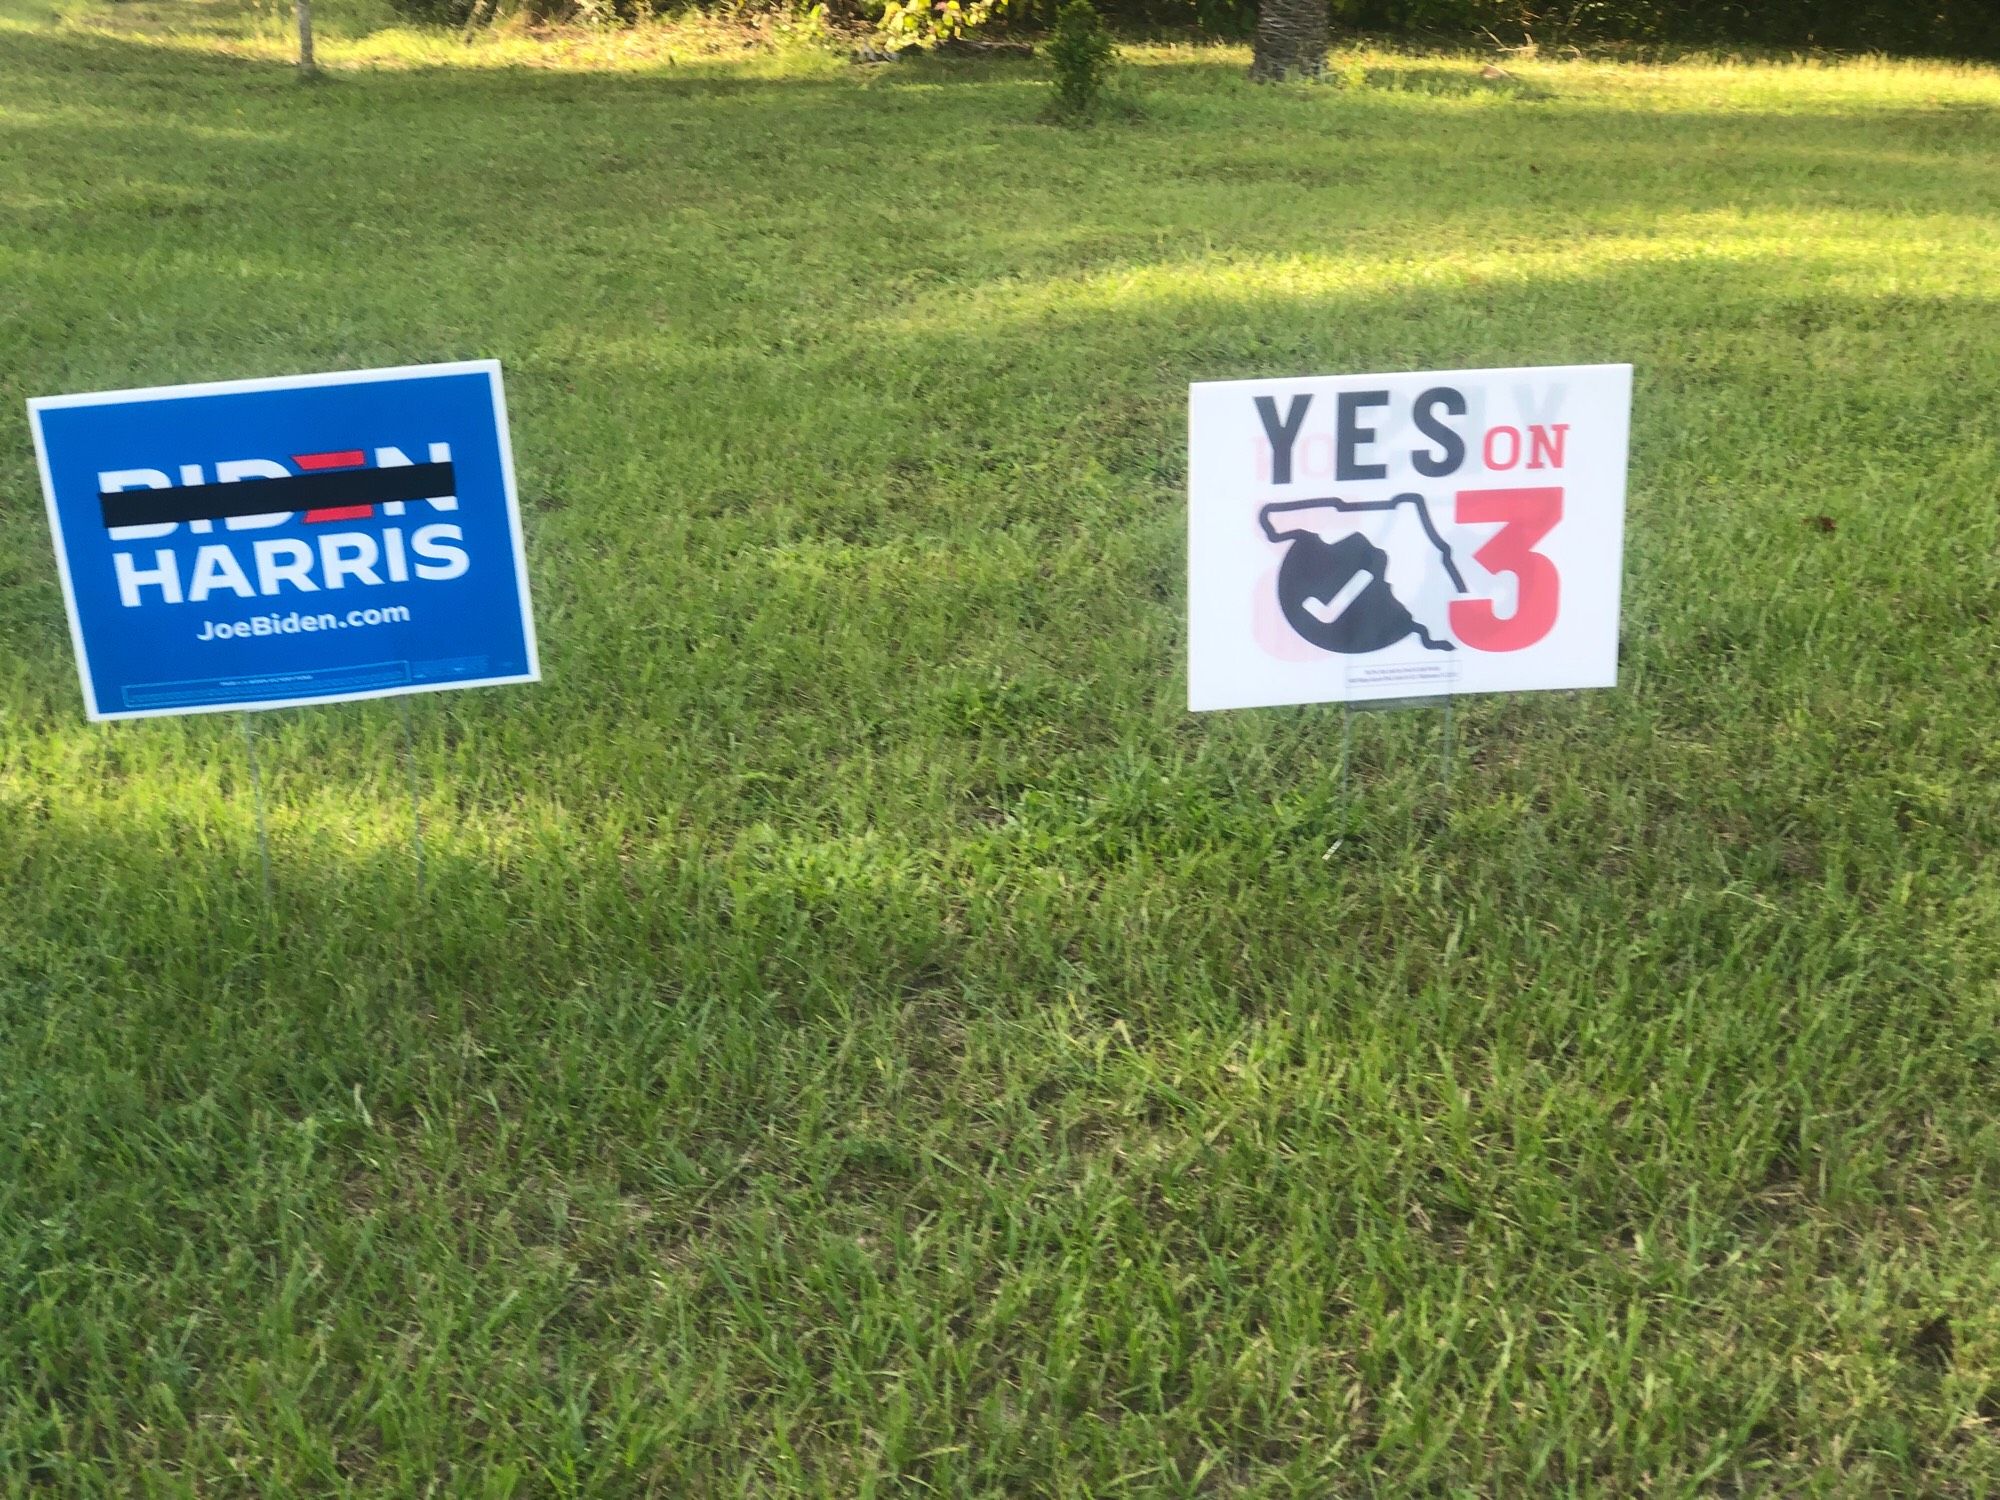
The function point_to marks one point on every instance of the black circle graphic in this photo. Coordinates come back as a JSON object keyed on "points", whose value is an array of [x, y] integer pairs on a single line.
{"points": [[1317, 570]]}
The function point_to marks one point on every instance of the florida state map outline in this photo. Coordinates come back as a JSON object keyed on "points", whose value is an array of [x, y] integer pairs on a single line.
{"points": [[1335, 591]]}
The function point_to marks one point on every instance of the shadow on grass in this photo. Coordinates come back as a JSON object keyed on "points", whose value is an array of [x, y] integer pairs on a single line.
{"points": [[1454, 83]]}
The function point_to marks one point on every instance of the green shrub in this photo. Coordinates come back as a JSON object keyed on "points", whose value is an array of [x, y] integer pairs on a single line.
{"points": [[1080, 51]]}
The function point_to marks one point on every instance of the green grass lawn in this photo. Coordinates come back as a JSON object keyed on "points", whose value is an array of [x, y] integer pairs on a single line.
{"points": [[858, 1034]]}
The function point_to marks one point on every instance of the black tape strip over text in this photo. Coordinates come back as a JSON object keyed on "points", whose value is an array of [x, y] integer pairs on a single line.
{"points": [[256, 497]]}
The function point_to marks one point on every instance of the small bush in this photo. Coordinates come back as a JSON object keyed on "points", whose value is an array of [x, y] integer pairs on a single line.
{"points": [[1080, 51]]}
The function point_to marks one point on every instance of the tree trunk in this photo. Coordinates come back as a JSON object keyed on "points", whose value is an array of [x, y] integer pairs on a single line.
{"points": [[307, 67], [1291, 40]]}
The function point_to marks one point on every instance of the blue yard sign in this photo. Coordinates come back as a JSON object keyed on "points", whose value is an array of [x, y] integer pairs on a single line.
{"points": [[308, 539]]}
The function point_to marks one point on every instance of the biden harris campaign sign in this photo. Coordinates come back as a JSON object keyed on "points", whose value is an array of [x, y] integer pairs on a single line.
{"points": [[1397, 536], [308, 539]]}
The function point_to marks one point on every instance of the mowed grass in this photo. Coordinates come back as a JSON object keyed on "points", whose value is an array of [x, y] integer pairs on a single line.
{"points": [[858, 1034]]}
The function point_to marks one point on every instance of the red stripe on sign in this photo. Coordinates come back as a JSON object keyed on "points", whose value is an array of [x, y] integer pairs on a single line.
{"points": [[347, 458]]}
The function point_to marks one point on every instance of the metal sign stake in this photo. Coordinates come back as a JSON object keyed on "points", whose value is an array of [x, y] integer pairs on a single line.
{"points": [[257, 792], [416, 807], [1447, 743], [1446, 748], [1346, 760]]}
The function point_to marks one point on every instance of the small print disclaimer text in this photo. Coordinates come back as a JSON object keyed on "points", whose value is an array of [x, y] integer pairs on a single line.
{"points": [[1400, 674]]}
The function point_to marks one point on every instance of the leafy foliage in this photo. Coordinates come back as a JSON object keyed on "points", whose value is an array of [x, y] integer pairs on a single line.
{"points": [[926, 23]]}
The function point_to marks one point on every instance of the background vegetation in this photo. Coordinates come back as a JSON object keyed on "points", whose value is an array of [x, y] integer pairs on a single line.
{"points": [[859, 1035], [1948, 27], [1945, 28]]}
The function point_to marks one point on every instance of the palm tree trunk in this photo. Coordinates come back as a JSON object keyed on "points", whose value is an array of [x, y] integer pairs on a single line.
{"points": [[1291, 40]]}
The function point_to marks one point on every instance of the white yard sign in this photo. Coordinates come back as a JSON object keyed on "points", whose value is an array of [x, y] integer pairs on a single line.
{"points": [[1353, 537]]}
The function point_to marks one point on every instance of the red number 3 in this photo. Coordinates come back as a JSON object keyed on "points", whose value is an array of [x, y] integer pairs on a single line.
{"points": [[1527, 515]]}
